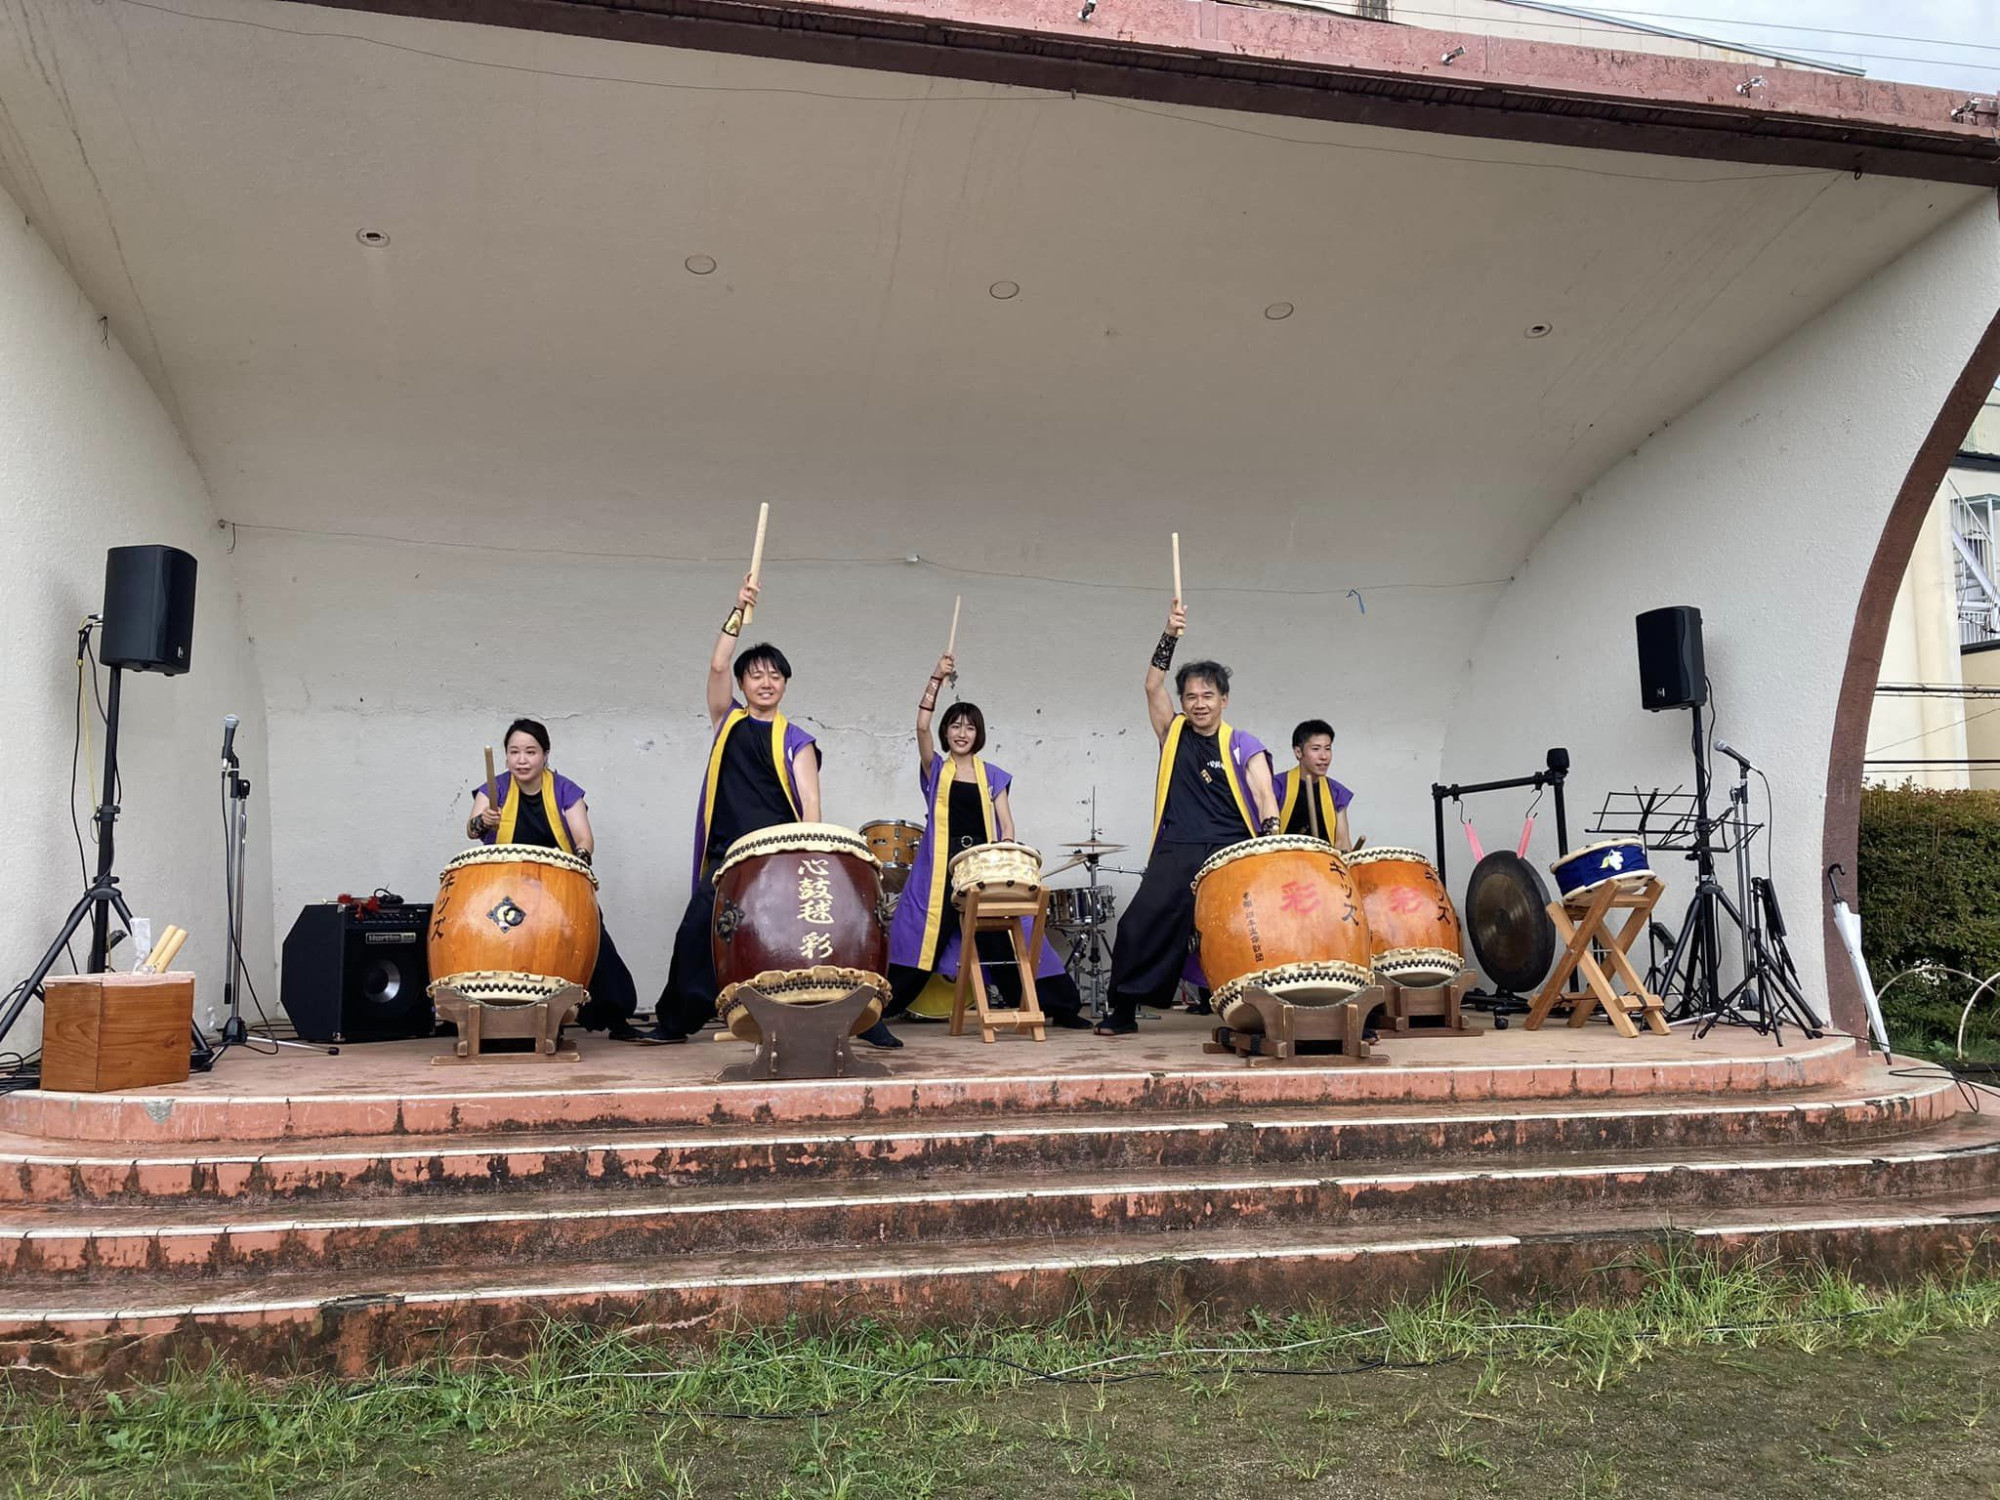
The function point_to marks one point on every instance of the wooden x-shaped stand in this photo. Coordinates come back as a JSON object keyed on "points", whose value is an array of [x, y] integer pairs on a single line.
{"points": [[1583, 924], [1000, 909]]}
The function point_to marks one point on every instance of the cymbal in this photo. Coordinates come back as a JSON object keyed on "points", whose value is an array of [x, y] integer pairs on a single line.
{"points": [[1100, 846], [1068, 864]]}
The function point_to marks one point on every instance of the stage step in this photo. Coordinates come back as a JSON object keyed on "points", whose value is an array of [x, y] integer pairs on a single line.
{"points": [[398, 1166], [104, 1244], [1108, 1079], [353, 1321]]}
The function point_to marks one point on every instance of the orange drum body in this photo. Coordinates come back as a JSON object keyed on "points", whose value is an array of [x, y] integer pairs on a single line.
{"points": [[514, 923], [1411, 921], [799, 919], [1281, 915]]}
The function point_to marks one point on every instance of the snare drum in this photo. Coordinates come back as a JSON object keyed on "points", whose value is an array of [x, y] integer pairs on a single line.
{"points": [[1014, 870], [1412, 925], [1583, 870], [1076, 907], [798, 918], [513, 924], [1281, 915], [893, 841]]}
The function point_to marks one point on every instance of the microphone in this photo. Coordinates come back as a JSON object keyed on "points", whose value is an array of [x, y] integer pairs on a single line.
{"points": [[229, 723], [1734, 754]]}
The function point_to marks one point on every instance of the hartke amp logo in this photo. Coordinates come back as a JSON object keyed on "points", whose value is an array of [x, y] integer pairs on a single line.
{"points": [[403, 938]]}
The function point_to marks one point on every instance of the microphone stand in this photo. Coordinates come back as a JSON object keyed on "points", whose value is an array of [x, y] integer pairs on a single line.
{"points": [[236, 804]]}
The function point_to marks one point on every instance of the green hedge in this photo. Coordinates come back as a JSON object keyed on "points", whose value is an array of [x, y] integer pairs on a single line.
{"points": [[1930, 890]]}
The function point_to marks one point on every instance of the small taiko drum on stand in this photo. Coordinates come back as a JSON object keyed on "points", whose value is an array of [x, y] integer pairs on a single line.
{"points": [[1582, 871], [799, 921], [1412, 926], [1015, 869], [513, 939], [513, 924], [1280, 915]]}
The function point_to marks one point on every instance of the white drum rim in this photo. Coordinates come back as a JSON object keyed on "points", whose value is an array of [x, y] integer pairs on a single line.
{"points": [[1616, 877], [774, 983], [1400, 961], [1270, 843], [797, 838], [501, 986], [1227, 997], [510, 854], [1012, 846], [1601, 844], [1388, 852]]}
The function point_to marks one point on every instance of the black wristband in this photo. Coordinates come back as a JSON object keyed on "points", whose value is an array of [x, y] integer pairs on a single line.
{"points": [[733, 626], [1163, 654]]}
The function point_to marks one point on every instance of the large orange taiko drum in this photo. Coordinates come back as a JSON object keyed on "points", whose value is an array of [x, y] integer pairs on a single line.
{"points": [[513, 924], [1411, 922], [1280, 915], [800, 919]]}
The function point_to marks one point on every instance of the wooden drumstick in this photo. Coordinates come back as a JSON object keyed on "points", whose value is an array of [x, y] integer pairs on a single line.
{"points": [[492, 785], [757, 555], [1177, 567], [951, 646], [162, 955], [1312, 802]]}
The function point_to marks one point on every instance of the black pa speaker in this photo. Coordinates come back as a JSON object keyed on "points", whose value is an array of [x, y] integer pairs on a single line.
{"points": [[352, 976], [148, 609], [1672, 672]]}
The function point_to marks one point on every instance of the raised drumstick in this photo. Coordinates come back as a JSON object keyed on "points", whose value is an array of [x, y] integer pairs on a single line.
{"points": [[951, 647], [492, 785], [1177, 567], [757, 554]]}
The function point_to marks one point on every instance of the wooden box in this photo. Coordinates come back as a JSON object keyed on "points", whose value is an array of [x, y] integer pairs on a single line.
{"points": [[116, 1031]]}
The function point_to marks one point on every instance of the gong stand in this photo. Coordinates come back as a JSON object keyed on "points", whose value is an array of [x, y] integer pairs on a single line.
{"points": [[1504, 1002], [1327, 1034], [539, 1023], [803, 1041]]}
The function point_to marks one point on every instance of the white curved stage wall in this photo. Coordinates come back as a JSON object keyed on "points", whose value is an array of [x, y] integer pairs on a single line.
{"points": [[1762, 506], [89, 459]]}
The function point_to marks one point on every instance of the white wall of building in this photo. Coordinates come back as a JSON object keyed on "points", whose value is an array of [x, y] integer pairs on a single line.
{"points": [[1763, 505], [89, 459]]}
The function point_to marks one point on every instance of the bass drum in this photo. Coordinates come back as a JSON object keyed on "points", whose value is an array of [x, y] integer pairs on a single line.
{"points": [[1281, 915], [1413, 926], [799, 917], [513, 924]]}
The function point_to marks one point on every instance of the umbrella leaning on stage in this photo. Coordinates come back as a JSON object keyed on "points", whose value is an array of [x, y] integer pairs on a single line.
{"points": [[1847, 922]]}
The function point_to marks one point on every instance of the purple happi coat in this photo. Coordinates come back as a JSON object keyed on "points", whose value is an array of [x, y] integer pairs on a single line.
{"points": [[925, 932], [568, 794], [794, 741]]}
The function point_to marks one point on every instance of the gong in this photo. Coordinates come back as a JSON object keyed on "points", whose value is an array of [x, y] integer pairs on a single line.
{"points": [[1507, 918]]}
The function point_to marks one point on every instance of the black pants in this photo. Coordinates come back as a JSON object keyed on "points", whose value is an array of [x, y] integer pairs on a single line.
{"points": [[688, 1002], [1156, 931], [1057, 993], [613, 995]]}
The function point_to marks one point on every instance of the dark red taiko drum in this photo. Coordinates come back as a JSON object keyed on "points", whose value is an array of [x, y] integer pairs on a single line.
{"points": [[800, 918]]}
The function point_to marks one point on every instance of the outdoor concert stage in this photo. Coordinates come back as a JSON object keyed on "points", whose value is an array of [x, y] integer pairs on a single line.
{"points": [[371, 1208]]}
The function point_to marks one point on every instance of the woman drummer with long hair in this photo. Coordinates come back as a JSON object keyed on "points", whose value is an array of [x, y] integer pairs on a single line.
{"points": [[541, 808], [966, 805]]}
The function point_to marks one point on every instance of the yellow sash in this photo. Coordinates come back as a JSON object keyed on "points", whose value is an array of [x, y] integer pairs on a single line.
{"points": [[1224, 735], [1327, 813], [513, 807], [941, 853], [737, 716]]}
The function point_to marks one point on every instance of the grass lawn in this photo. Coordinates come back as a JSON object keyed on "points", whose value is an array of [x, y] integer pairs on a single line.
{"points": [[1740, 1382]]}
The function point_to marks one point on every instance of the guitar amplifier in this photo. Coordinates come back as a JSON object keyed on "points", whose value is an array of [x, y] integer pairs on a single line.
{"points": [[358, 972]]}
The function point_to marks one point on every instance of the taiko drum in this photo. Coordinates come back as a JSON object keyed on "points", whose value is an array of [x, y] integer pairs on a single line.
{"points": [[1412, 924], [1281, 915], [514, 923], [800, 918]]}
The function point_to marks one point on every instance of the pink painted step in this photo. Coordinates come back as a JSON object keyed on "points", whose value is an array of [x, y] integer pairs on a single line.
{"points": [[350, 1321], [107, 1244], [503, 1162]]}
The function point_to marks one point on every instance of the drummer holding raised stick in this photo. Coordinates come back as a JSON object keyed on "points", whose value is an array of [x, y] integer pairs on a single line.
{"points": [[1213, 790], [762, 770], [966, 802]]}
